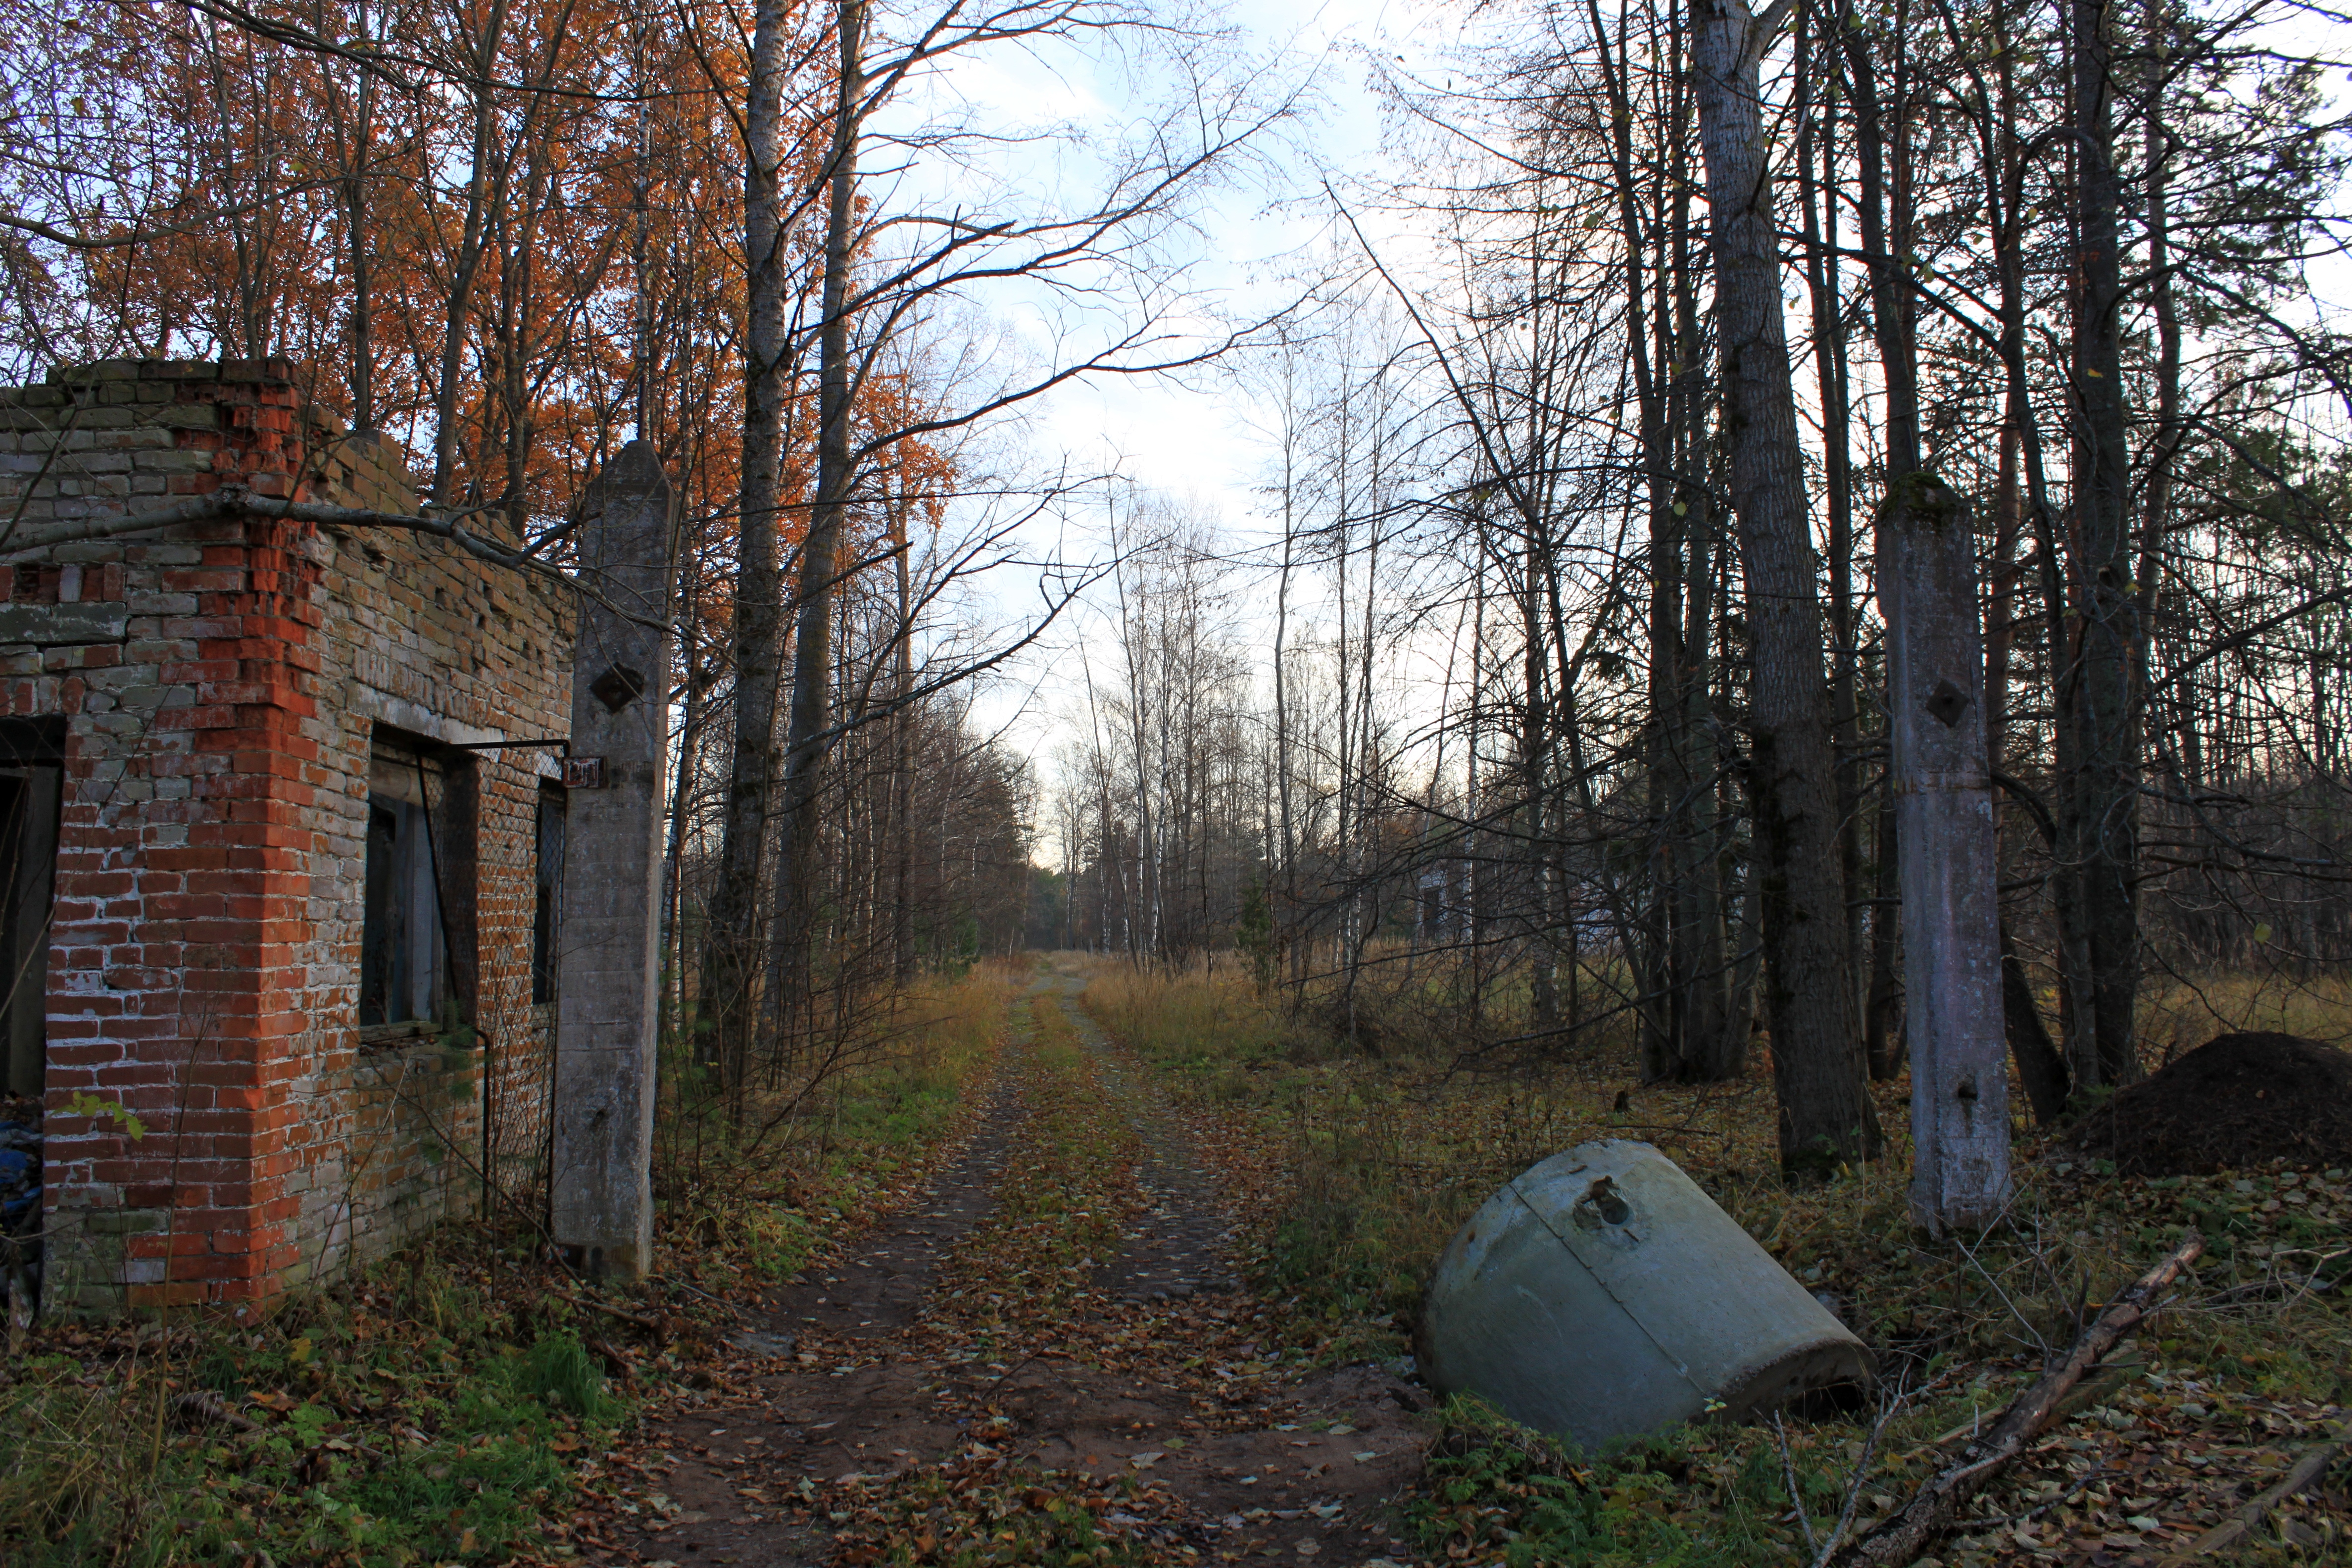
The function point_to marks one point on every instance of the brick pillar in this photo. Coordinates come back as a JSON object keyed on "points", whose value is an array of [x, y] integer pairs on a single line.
{"points": [[607, 986], [188, 843]]}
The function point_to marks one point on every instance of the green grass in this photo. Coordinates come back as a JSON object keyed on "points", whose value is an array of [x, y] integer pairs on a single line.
{"points": [[1673, 1502], [349, 1427], [437, 1408]]}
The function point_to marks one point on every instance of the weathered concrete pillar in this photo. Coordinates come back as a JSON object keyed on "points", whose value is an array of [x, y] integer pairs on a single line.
{"points": [[606, 975], [1942, 788]]}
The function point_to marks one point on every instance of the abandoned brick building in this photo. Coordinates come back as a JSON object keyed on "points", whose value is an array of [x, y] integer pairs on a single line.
{"points": [[279, 825]]}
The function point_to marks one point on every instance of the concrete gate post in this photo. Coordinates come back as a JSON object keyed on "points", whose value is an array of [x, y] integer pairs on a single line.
{"points": [[607, 983], [1941, 781]]}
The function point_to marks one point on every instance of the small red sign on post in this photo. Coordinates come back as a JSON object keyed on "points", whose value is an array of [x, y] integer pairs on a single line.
{"points": [[583, 772]]}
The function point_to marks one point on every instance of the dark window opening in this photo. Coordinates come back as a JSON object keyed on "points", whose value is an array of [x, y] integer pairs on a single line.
{"points": [[31, 782], [548, 885], [403, 947]]}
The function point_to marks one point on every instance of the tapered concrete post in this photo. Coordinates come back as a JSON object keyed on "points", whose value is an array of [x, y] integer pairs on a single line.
{"points": [[1942, 788], [607, 981]]}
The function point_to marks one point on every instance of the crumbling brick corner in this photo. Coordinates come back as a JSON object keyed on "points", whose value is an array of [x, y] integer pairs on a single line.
{"points": [[218, 1126]]}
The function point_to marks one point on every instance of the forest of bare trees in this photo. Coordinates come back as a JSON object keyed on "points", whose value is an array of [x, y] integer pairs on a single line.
{"points": [[1544, 689], [1283, 622], [1582, 470]]}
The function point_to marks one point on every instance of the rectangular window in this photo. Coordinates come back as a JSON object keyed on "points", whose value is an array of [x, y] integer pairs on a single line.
{"points": [[404, 946], [30, 780], [548, 880]]}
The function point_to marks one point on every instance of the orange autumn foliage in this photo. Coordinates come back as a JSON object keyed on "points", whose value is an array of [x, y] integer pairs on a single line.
{"points": [[476, 225]]}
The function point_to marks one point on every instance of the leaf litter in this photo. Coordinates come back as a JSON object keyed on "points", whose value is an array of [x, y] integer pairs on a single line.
{"points": [[2214, 1403]]}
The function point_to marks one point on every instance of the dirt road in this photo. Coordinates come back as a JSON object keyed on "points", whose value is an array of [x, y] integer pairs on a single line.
{"points": [[1049, 1344]]}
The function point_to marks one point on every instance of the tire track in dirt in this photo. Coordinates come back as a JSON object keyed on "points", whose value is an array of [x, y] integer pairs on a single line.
{"points": [[1153, 1373], [737, 1467], [1183, 1247]]}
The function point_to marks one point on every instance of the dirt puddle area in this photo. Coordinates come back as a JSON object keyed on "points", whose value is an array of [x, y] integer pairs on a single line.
{"points": [[1047, 1350]]}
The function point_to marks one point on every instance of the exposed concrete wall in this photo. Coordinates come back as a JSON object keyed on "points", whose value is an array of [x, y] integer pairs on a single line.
{"points": [[222, 687], [601, 1190], [1940, 781]]}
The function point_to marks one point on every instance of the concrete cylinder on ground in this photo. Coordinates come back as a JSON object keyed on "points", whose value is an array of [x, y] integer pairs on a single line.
{"points": [[1601, 1294]]}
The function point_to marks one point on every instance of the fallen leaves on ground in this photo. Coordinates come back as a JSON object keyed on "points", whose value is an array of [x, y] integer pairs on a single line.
{"points": [[1370, 1161]]}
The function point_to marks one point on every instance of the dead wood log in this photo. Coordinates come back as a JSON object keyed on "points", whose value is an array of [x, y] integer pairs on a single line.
{"points": [[606, 1307], [624, 1370], [201, 1407], [1901, 1536], [2241, 1525]]}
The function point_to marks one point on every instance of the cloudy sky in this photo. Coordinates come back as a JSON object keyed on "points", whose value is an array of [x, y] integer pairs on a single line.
{"points": [[1192, 438]]}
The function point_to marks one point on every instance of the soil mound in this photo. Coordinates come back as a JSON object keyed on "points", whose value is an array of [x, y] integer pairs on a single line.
{"points": [[2234, 1101]]}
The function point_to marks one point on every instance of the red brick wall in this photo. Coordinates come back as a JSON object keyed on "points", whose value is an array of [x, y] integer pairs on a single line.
{"points": [[221, 686]]}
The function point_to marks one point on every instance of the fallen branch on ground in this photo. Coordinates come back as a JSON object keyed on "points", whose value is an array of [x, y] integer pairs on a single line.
{"points": [[203, 1408], [608, 1309], [1901, 1536], [624, 1370], [2241, 1525]]}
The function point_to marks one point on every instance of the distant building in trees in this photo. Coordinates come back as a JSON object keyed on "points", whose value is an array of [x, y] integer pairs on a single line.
{"points": [[1441, 904]]}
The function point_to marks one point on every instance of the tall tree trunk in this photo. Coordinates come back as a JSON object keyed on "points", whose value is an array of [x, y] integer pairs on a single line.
{"points": [[2041, 1067], [1686, 1034], [1287, 902], [473, 238], [691, 743], [1883, 210], [2107, 777], [2005, 204], [2001, 612], [2169, 426], [1719, 1026], [1663, 1041], [1722, 1018], [902, 738], [1828, 301], [806, 744], [1826, 1115], [363, 244], [1543, 994], [1882, 1039], [730, 955]]}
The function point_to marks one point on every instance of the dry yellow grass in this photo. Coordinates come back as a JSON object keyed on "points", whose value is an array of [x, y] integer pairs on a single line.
{"points": [[1384, 1157]]}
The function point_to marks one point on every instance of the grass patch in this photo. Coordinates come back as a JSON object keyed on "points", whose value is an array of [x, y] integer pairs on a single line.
{"points": [[1385, 1153], [412, 1414], [766, 1194], [456, 1403], [1494, 1490]]}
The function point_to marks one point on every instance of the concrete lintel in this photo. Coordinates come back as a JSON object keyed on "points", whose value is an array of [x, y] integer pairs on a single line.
{"points": [[416, 719]]}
